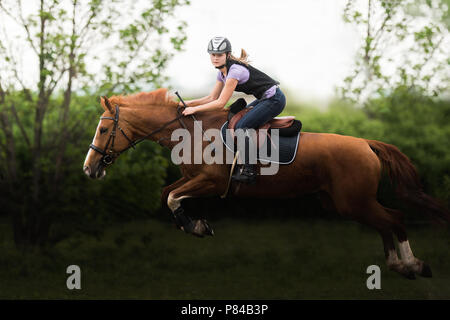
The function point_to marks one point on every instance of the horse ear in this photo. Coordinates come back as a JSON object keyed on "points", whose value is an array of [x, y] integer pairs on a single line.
{"points": [[107, 105]]}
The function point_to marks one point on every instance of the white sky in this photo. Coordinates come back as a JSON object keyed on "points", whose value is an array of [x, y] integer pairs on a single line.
{"points": [[304, 44]]}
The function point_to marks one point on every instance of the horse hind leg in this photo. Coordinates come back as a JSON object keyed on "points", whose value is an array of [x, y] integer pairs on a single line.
{"points": [[361, 205], [385, 222], [373, 214], [414, 264], [389, 221], [392, 260]]}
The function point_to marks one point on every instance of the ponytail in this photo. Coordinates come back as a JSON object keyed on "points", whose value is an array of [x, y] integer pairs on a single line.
{"points": [[242, 59]]}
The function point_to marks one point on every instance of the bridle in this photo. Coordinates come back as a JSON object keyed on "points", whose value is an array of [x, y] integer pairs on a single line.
{"points": [[110, 155]]}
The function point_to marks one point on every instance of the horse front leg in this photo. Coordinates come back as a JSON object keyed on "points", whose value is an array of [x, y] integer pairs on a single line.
{"points": [[166, 190], [196, 187]]}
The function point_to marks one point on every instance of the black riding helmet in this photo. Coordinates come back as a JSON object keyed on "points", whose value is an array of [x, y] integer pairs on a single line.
{"points": [[219, 45]]}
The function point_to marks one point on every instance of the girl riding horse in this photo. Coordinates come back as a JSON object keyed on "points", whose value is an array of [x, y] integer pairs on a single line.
{"points": [[236, 74]]}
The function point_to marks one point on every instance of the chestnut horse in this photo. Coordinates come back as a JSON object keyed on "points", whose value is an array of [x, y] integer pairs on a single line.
{"points": [[346, 168]]}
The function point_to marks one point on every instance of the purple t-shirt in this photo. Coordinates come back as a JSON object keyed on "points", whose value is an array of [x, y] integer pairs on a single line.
{"points": [[241, 74]]}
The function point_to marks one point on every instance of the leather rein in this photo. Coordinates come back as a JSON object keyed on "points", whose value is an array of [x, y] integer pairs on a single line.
{"points": [[110, 155]]}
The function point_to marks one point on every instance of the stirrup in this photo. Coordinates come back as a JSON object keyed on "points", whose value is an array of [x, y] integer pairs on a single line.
{"points": [[247, 174]]}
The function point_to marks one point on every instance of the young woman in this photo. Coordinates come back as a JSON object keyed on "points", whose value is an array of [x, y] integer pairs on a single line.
{"points": [[235, 74]]}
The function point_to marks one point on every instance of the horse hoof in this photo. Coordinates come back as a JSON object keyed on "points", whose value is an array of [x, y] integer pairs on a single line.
{"points": [[426, 271], [202, 228], [410, 275], [208, 230], [197, 235]]}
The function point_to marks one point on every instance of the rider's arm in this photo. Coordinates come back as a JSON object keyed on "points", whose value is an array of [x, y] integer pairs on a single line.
{"points": [[223, 98], [211, 97]]}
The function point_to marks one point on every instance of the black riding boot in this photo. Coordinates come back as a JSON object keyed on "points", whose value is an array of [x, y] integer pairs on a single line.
{"points": [[246, 172]]}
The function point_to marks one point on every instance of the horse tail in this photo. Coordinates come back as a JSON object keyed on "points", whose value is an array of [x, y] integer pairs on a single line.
{"points": [[405, 180]]}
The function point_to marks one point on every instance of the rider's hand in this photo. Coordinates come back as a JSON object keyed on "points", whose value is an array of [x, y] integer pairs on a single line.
{"points": [[188, 111]]}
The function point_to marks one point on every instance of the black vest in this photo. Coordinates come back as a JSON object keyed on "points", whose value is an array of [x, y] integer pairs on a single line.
{"points": [[257, 83]]}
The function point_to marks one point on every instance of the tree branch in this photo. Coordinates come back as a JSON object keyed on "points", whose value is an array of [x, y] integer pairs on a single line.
{"points": [[378, 34], [131, 58], [85, 29], [427, 59], [27, 30], [2, 94], [9, 147], [53, 83], [21, 127]]}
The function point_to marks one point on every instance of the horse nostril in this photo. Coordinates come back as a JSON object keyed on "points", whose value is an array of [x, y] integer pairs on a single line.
{"points": [[86, 170]]}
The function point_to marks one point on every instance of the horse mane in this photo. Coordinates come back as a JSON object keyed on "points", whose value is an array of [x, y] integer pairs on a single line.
{"points": [[160, 97]]}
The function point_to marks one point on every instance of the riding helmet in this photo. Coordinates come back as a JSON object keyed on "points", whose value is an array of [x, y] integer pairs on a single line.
{"points": [[219, 45]]}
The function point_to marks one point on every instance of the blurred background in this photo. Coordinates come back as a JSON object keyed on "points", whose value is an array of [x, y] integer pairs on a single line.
{"points": [[369, 68]]}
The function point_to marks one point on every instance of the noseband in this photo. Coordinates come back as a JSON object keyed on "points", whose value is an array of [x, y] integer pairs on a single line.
{"points": [[109, 155]]}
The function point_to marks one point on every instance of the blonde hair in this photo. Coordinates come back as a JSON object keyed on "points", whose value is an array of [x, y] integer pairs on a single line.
{"points": [[242, 59]]}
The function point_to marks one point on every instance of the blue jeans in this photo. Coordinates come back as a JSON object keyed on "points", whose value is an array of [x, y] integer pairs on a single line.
{"points": [[263, 110]]}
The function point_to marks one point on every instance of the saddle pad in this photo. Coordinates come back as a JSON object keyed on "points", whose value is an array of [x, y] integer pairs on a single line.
{"points": [[286, 151]]}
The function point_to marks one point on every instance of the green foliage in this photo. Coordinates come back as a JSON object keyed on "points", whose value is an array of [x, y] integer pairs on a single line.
{"points": [[70, 40], [46, 121], [340, 117], [401, 78], [134, 186], [408, 36], [420, 127], [130, 190]]}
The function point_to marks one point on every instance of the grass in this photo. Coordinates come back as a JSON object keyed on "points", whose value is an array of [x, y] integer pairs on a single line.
{"points": [[247, 259]]}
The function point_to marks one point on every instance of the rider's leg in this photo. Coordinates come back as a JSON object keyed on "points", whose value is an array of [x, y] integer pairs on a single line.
{"points": [[263, 110], [247, 171]]}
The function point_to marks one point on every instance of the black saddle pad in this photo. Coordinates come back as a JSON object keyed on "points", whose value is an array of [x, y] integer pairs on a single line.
{"points": [[287, 148]]}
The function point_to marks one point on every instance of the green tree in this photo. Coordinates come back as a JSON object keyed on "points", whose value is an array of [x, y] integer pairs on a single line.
{"points": [[78, 47], [402, 79], [404, 43]]}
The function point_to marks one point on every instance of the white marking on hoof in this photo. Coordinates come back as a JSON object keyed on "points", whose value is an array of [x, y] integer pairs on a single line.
{"points": [[410, 261], [406, 252], [392, 258]]}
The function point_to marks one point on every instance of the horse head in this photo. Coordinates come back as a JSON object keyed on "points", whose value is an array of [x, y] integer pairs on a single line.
{"points": [[145, 111], [111, 138]]}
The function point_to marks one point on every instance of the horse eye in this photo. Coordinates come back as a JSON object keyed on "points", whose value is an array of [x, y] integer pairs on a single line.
{"points": [[103, 130]]}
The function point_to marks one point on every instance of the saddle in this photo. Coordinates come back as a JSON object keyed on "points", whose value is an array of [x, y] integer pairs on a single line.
{"points": [[288, 126]]}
